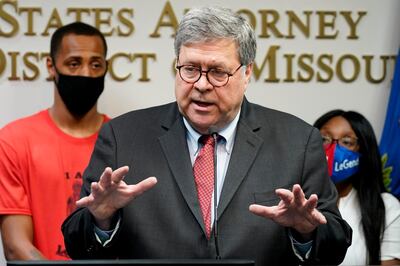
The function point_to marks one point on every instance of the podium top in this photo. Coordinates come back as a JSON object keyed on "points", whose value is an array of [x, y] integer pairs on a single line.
{"points": [[190, 262]]}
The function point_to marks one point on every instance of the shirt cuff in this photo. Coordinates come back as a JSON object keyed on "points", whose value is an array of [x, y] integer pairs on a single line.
{"points": [[105, 236], [301, 250]]}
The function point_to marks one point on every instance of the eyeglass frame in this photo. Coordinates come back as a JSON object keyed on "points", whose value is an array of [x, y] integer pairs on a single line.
{"points": [[208, 71], [339, 141]]}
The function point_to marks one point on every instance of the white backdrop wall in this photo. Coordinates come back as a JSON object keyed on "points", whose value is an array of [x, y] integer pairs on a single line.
{"points": [[316, 65], [334, 44]]}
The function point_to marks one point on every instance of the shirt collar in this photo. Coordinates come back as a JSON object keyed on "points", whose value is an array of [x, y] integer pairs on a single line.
{"points": [[227, 133]]}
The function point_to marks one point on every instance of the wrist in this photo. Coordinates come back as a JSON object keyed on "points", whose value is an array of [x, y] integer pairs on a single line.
{"points": [[106, 224], [302, 237]]}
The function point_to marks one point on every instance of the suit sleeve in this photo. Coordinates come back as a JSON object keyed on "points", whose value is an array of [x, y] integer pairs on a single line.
{"points": [[78, 228], [332, 239]]}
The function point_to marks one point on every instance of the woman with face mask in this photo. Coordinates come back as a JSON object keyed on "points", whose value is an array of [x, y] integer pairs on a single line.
{"points": [[354, 165]]}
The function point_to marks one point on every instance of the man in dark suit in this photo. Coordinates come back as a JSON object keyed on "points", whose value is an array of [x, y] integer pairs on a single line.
{"points": [[276, 204]]}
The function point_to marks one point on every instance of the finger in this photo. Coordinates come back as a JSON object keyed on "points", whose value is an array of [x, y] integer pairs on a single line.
{"points": [[311, 203], [85, 201], [119, 174], [263, 211], [315, 217], [298, 195], [105, 178], [95, 189], [285, 195], [144, 185]]}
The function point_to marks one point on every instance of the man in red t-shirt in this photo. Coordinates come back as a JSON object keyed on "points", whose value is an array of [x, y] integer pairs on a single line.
{"points": [[42, 156]]}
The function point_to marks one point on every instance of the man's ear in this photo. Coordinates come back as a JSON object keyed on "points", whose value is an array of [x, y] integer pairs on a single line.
{"points": [[50, 65], [249, 69], [248, 72]]}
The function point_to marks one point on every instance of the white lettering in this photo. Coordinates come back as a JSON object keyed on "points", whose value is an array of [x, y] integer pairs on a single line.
{"points": [[346, 164]]}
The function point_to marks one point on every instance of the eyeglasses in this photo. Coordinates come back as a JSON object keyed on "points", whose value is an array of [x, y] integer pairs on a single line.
{"points": [[217, 78], [347, 141]]}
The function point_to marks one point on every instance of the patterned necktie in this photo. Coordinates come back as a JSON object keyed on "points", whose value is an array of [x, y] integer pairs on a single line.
{"points": [[203, 170]]}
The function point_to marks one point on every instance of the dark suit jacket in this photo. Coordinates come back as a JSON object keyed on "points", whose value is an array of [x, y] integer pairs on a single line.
{"points": [[272, 150]]}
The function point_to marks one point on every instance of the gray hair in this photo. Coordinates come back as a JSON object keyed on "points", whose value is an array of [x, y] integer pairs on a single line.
{"points": [[213, 23]]}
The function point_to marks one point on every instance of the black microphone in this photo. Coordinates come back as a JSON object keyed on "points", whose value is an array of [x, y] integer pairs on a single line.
{"points": [[214, 133]]}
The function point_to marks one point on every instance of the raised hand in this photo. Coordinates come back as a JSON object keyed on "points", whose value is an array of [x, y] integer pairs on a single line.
{"points": [[111, 193], [294, 210]]}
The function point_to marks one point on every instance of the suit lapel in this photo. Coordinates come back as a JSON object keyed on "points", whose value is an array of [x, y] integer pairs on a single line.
{"points": [[174, 146], [246, 147]]}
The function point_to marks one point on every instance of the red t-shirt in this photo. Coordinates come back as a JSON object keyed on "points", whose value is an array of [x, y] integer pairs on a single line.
{"points": [[41, 175]]}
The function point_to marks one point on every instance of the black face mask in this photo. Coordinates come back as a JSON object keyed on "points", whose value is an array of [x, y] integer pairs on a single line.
{"points": [[79, 93]]}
